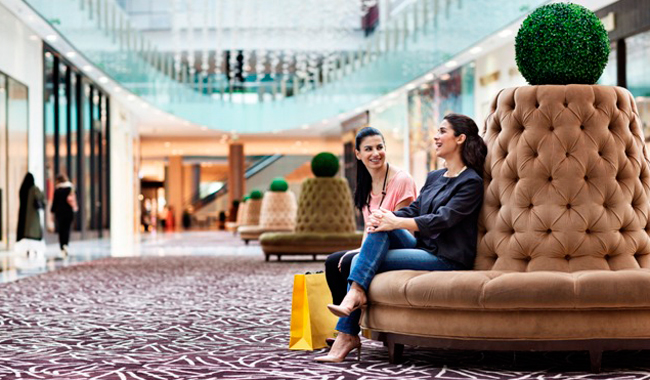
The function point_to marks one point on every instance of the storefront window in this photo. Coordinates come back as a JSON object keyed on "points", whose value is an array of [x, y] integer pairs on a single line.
{"points": [[17, 151], [75, 140], [3, 162], [63, 119], [427, 105], [638, 75]]}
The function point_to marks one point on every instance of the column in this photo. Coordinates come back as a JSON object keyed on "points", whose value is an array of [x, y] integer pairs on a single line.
{"points": [[236, 180], [175, 188]]}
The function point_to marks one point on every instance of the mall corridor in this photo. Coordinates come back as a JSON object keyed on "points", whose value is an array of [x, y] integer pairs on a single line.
{"points": [[264, 189]]}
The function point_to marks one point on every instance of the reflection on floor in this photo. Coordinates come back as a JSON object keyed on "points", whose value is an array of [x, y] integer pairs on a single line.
{"points": [[201, 305], [153, 244]]}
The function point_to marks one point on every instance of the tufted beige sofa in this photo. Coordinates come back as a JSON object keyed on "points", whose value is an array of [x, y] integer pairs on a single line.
{"points": [[563, 258], [324, 222], [251, 214], [278, 215]]}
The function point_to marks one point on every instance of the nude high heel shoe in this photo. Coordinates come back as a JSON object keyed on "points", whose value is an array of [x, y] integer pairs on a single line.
{"points": [[337, 359], [342, 311]]}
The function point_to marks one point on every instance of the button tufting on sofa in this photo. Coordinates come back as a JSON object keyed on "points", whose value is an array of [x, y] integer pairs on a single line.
{"points": [[601, 290]]}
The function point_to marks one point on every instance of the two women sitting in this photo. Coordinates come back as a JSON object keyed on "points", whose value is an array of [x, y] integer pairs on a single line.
{"points": [[444, 219]]}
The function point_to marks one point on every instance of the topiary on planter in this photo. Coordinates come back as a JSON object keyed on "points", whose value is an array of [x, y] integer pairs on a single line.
{"points": [[256, 194], [562, 43], [246, 197], [279, 185], [325, 165]]}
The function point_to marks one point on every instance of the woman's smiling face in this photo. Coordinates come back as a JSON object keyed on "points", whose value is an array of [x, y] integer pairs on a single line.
{"points": [[446, 142], [372, 152]]}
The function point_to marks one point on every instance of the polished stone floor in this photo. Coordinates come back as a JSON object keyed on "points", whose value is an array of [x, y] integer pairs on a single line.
{"points": [[202, 305]]}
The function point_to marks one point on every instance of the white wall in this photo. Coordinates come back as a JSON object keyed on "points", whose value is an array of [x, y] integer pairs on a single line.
{"points": [[22, 60], [495, 71], [125, 183]]}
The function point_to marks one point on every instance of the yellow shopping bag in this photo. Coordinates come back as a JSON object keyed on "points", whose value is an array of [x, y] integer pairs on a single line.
{"points": [[311, 322]]}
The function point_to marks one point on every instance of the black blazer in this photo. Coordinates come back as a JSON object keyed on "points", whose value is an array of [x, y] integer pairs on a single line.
{"points": [[446, 213]]}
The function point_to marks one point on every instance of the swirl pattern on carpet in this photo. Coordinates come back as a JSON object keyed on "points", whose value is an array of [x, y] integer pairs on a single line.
{"points": [[226, 317]]}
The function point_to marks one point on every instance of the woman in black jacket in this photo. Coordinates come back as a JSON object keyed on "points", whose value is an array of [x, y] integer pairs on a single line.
{"points": [[444, 216], [64, 205]]}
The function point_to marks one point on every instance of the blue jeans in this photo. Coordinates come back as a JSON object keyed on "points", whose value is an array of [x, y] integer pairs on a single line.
{"points": [[386, 251]]}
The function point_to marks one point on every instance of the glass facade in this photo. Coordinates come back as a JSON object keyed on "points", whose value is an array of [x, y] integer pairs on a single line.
{"points": [[638, 75], [14, 128], [76, 141], [451, 93]]}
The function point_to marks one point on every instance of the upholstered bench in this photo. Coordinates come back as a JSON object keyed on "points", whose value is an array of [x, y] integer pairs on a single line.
{"points": [[563, 249], [324, 222], [278, 215]]}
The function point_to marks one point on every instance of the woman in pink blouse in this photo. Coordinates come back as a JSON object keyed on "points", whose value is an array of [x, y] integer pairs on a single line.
{"points": [[379, 184]]}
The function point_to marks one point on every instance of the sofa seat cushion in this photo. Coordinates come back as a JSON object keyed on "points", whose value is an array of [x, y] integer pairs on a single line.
{"points": [[254, 232], [309, 242], [495, 290]]}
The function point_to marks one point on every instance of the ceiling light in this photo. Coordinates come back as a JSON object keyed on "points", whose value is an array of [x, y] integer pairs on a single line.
{"points": [[476, 50], [130, 98], [71, 54], [429, 76], [410, 86], [48, 54], [505, 33], [51, 37], [87, 68], [445, 76], [451, 64], [103, 80]]}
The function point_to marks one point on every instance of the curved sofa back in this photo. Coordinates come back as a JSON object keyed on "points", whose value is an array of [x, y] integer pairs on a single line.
{"points": [[325, 205], [278, 210], [567, 181]]}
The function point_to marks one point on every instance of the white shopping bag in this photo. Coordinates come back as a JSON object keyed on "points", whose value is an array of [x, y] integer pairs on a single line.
{"points": [[29, 254]]}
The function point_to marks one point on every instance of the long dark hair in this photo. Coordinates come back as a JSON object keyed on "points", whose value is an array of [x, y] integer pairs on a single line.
{"points": [[364, 179], [474, 149]]}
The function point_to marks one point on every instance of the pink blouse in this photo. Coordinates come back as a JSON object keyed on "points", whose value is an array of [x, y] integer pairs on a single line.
{"points": [[399, 188]]}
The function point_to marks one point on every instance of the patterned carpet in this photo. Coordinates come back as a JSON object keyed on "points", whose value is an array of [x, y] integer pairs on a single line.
{"points": [[224, 317]]}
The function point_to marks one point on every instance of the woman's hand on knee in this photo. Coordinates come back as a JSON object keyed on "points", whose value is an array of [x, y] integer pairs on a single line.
{"points": [[383, 220]]}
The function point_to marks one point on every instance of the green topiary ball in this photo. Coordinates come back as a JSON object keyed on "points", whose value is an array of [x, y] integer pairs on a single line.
{"points": [[279, 185], [246, 197], [325, 165], [256, 194], [562, 43]]}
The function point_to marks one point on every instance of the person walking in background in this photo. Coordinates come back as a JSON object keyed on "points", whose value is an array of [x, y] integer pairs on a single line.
{"points": [[64, 205], [29, 218]]}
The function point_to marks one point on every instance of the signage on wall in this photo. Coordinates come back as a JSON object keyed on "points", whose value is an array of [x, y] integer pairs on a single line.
{"points": [[488, 79]]}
